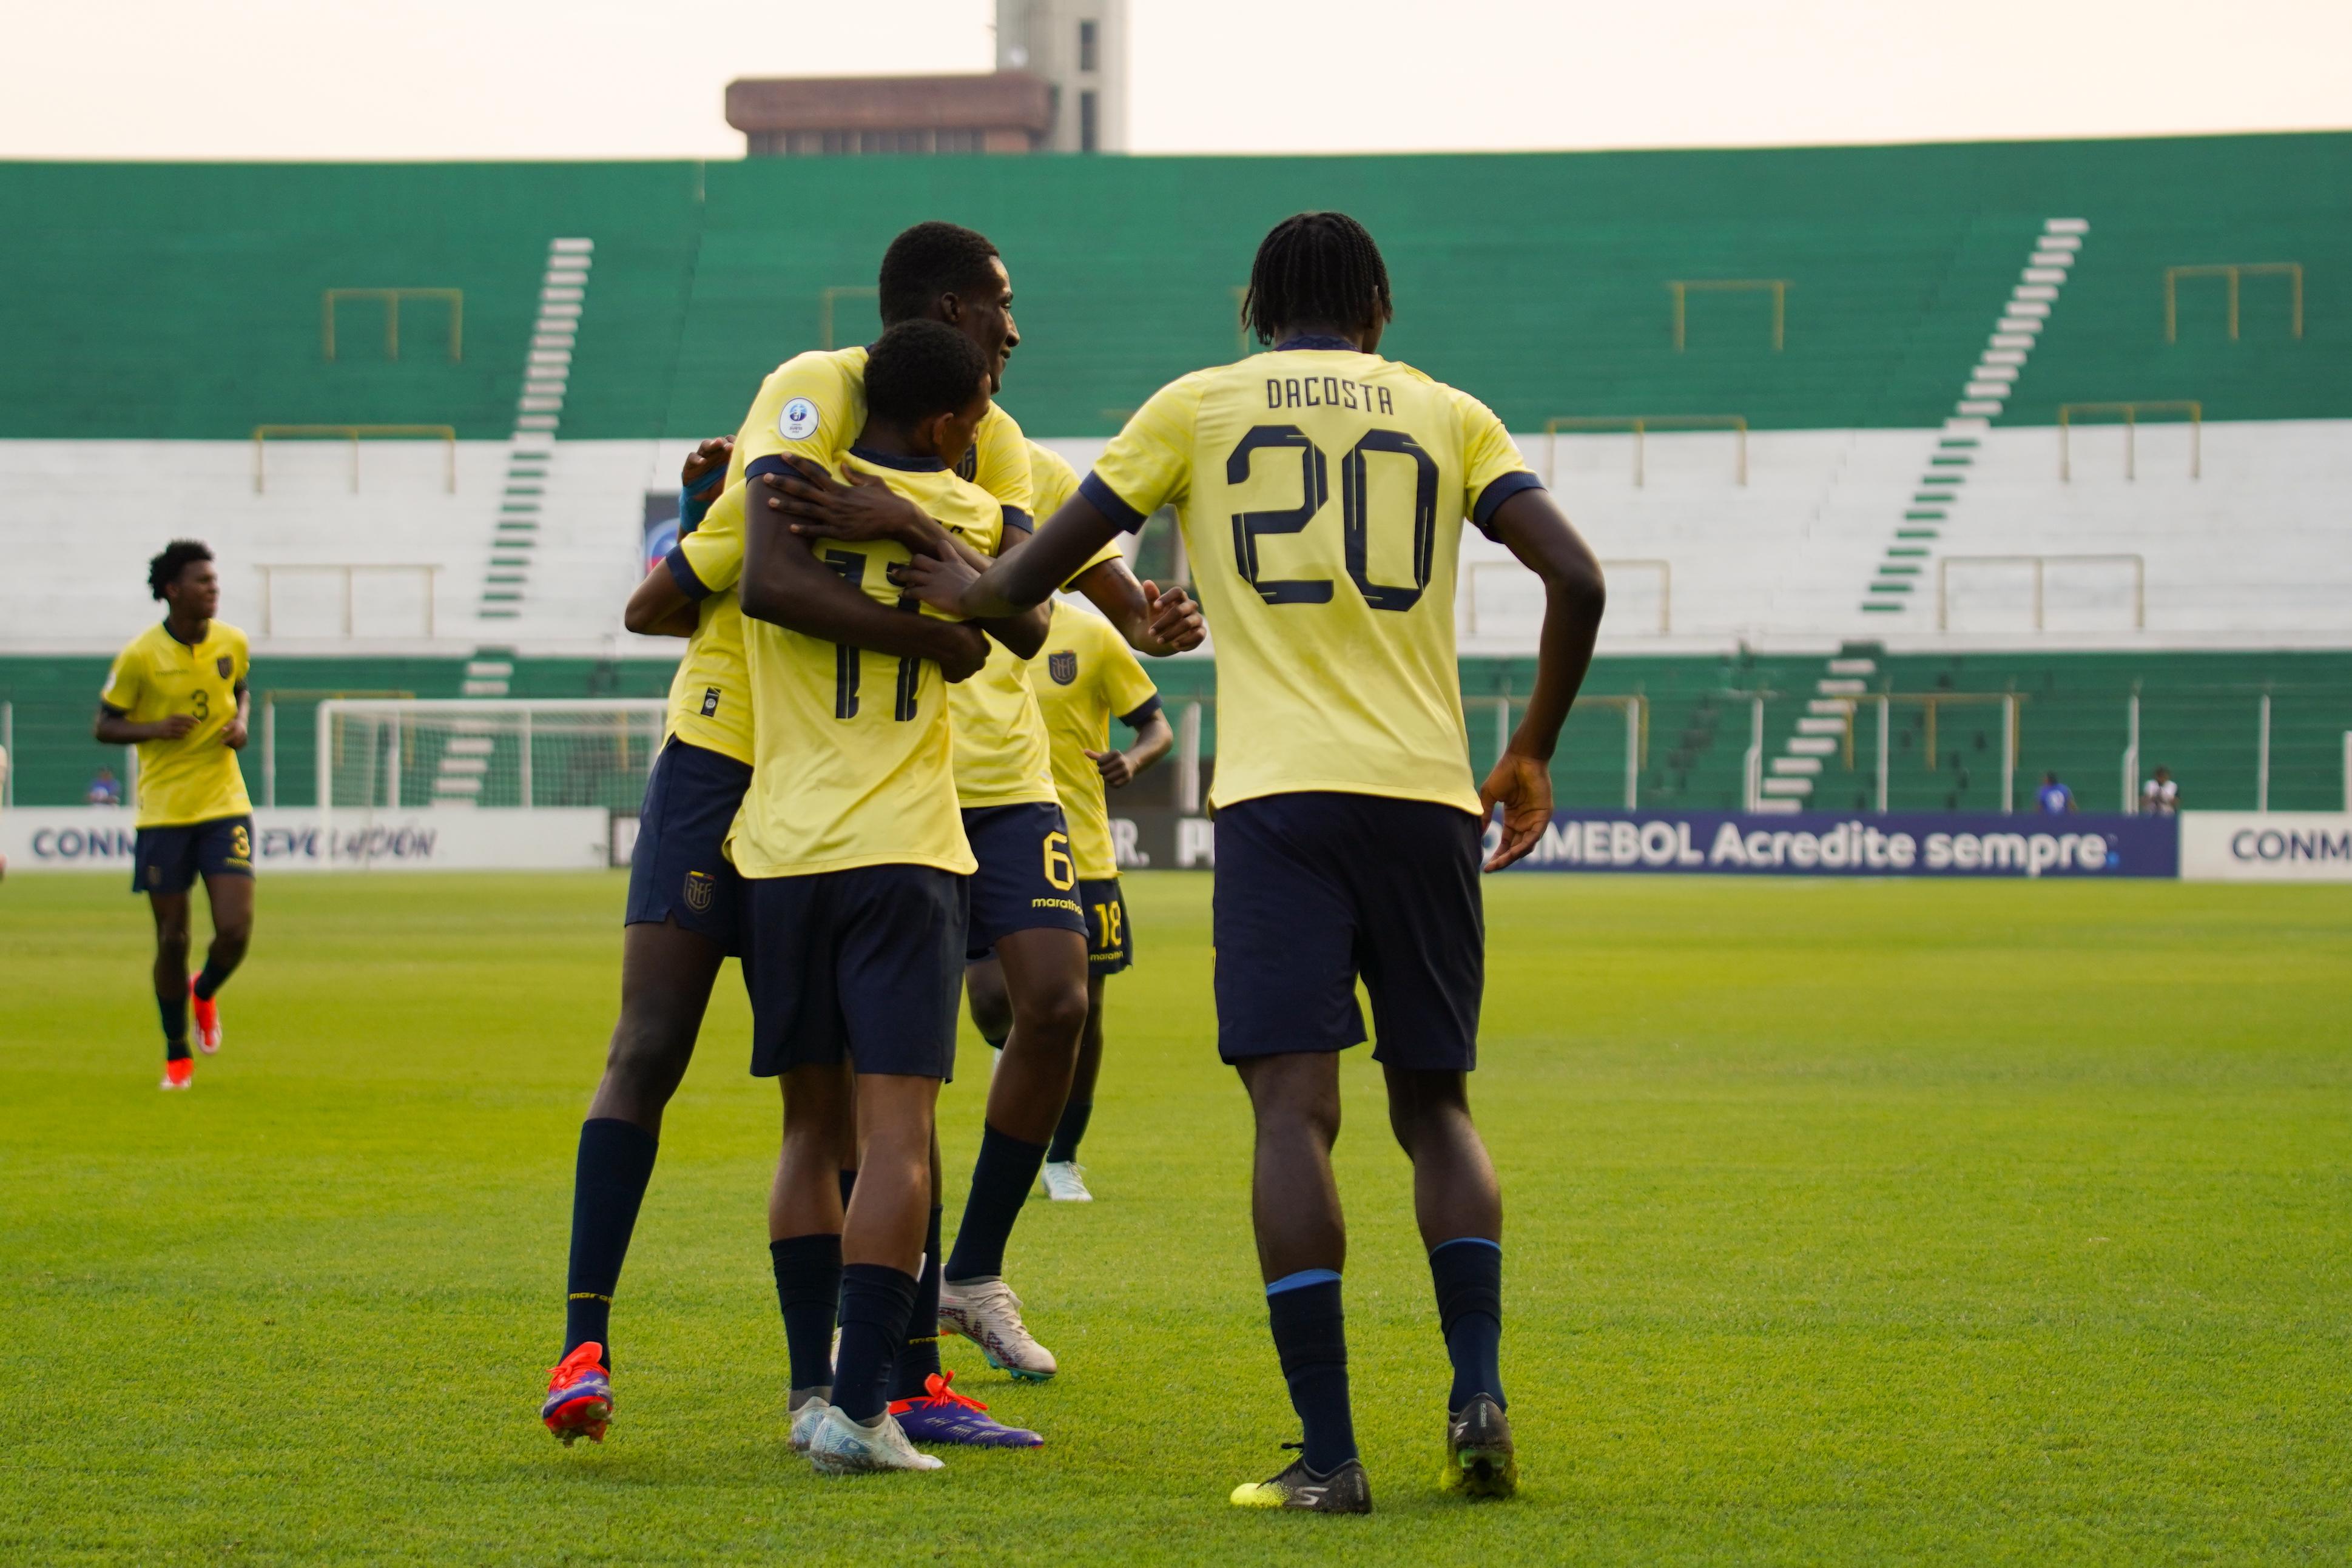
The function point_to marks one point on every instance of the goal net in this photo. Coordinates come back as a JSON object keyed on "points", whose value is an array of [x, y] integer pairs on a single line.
{"points": [[408, 754]]}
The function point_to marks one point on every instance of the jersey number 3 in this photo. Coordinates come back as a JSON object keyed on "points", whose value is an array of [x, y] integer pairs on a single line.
{"points": [[1355, 513]]}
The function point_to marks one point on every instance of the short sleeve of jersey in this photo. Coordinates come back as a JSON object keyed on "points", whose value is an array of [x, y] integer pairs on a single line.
{"points": [[1492, 469], [714, 552], [1148, 464], [1125, 686], [244, 661], [1001, 468], [123, 681], [805, 410]]}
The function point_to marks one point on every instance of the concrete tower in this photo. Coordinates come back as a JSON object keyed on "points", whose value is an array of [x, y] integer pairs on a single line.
{"points": [[1079, 47]]}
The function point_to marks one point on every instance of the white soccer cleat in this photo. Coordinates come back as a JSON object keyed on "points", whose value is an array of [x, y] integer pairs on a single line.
{"points": [[841, 1446], [1065, 1182], [805, 1421], [988, 1314]]}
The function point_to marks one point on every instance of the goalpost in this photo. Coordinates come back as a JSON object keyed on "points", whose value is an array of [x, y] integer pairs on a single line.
{"points": [[519, 754]]}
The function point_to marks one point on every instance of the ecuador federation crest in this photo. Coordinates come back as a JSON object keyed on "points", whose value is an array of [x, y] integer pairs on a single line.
{"points": [[698, 888], [223, 665], [1063, 666]]}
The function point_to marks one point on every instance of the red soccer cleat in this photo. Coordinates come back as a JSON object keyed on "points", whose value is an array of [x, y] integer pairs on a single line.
{"points": [[579, 1396], [180, 1074], [208, 1014]]}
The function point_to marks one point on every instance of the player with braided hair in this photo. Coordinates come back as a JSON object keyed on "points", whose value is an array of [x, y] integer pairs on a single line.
{"points": [[1348, 831]]}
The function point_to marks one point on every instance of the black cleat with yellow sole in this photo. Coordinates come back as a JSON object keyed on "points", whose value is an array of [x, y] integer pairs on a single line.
{"points": [[1479, 1459], [1346, 1490]]}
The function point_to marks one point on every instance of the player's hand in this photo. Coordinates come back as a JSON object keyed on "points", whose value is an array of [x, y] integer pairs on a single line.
{"points": [[232, 734], [1117, 770], [1175, 619], [174, 728], [1521, 785], [710, 457], [969, 652], [938, 581], [816, 505]]}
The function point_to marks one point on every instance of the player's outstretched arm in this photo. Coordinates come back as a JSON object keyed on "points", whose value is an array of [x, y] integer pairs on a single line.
{"points": [[1537, 531], [1072, 536], [1155, 623], [785, 585]]}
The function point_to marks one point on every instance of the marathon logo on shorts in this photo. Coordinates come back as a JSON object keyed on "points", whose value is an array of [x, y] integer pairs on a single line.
{"points": [[1068, 903], [709, 702], [223, 665], [698, 888], [1063, 667]]}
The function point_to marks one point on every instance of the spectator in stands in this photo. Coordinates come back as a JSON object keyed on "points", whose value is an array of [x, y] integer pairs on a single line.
{"points": [[2159, 797], [104, 790], [2055, 798]]}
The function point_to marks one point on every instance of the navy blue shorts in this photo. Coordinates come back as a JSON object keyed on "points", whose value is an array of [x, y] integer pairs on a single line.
{"points": [[679, 866], [1026, 879], [866, 964], [1316, 888], [1110, 945], [169, 859]]}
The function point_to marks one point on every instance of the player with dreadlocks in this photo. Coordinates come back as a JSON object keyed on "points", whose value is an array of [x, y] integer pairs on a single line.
{"points": [[1349, 832]]}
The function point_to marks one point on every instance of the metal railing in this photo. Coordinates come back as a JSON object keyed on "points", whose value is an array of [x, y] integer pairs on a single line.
{"points": [[454, 297], [1639, 425], [2129, 414], [2231, 271], [1682, 288], [263, 435], [349, 574], [2040, 563]]}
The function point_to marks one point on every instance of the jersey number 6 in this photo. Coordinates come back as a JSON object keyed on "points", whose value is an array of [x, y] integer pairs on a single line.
{"points": [[1355, 509]]}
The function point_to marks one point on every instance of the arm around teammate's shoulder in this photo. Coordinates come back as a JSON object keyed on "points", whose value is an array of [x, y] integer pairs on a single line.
{"points": [[786, 586], [1533, 528]]}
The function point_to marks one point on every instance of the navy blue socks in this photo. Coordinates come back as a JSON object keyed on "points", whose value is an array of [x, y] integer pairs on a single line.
{"points": [[876, 1301], [608, 1184], [808, 1289], [174, 1010], [1468, 1273], [1001, 1180], [919, 1355], [1310, 1336], [210, 980], [1069, 1131]]}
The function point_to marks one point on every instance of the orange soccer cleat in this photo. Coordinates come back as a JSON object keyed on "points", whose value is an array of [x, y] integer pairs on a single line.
{"points": [[180, 1074], [208, 1016], [579, 1396]]}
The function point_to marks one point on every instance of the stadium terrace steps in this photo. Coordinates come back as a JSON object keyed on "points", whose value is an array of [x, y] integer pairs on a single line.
{"points": [[2198, 713], [184, 302]]}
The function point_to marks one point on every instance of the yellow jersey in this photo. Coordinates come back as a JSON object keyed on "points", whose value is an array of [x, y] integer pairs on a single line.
{"points": [[1322, 493], [710, 699], [1085, 674], [1054, 481], [813, 404], [852, 759], [195, 779], [1003, 757]]}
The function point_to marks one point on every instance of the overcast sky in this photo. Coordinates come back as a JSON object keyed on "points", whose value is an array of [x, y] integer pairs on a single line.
{"points": [[539, 79]]}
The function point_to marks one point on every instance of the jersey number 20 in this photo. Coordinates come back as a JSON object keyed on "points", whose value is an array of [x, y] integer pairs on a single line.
{"points": [[1355, 508]]}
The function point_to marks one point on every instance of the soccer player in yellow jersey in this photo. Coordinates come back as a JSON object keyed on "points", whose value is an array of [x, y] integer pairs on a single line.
{"points": [[1349, 832], [1085, 676], [852, 846], [178, 693], [680, 923], [1022, 907]]}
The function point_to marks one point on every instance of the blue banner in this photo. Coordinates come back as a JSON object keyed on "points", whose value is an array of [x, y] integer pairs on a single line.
{"points": [[1730, 843]]}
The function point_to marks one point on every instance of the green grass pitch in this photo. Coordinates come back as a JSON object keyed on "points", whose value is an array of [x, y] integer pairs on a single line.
{"points": [[1852, 1223]]}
